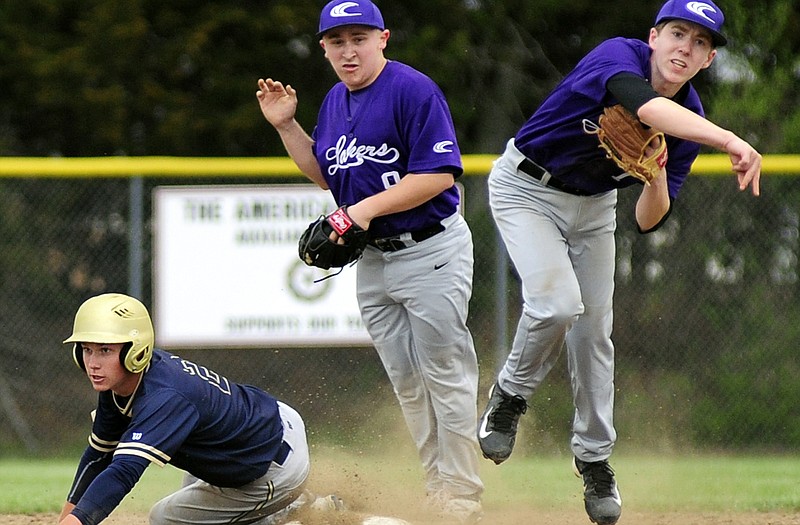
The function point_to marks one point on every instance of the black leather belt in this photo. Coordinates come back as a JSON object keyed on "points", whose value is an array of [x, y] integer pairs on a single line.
{"points": [[283, 453], [399, 242], [528, 167]]}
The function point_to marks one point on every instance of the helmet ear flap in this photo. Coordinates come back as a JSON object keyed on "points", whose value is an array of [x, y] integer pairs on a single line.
{"points": [[135, 361], [77, 356]]}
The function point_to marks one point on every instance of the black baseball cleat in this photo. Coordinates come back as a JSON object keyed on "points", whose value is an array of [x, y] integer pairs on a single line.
{"points": [[600, 495], [497, 430]]}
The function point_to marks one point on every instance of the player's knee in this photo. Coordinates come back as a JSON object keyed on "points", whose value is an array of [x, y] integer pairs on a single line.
{"points": [[409, 392], [561, 313]]}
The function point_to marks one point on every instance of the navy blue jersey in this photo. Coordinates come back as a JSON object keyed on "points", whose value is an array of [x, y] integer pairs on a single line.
{"points": [[182, 414], [367, 140], [554, 136]]}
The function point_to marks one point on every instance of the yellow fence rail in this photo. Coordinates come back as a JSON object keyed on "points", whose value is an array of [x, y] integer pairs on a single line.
{"points": [[161, 166]]}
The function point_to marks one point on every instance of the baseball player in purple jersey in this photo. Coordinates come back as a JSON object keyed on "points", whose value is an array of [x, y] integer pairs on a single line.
{"points": [[553, 196], [245, 452], [385, 145]]}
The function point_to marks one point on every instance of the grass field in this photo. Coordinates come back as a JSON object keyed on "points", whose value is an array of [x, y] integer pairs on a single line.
{"points": [[709, 489]]}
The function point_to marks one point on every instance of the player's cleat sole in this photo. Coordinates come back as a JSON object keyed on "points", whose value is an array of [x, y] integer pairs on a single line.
{"points": [[308, 502], [600, 493], [497, 429]]}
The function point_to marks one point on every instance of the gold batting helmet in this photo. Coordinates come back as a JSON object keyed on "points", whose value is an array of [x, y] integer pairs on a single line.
{"points": [[114, 318]]}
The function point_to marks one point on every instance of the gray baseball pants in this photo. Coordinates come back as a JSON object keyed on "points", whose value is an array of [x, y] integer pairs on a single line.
{"points": [[414, 303], [563, 249], [201, 502]]}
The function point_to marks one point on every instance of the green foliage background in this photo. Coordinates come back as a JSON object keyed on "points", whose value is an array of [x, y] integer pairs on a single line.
{"points": [[140, 77]]}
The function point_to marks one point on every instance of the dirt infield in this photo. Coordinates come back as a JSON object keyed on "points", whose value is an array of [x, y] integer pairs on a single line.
{"points": [[506, 517]]}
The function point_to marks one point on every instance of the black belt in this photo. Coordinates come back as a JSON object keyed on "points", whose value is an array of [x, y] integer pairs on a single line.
{"points": [[399, 242], [528, 167], [283, 453]]}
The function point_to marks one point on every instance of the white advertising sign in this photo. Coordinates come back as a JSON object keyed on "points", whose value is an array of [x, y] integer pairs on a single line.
{"points": [[226, 271]]}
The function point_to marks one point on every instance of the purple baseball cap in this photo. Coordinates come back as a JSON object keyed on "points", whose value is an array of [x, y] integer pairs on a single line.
{"points": [[704, 13], [346, 12]]}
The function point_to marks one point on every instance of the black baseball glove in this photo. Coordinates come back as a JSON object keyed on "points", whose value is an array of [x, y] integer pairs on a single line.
{"points": [[317, 249]]}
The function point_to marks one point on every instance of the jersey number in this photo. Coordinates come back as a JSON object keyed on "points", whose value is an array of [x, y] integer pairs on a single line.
{"points": [[209, 376], [390, 178]]}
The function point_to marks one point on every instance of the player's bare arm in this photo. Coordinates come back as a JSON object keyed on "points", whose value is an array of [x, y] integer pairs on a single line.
{"points": [[675, 120], [653, 203], [70, 519], [278, 105], [412, 190], [65, 518]]}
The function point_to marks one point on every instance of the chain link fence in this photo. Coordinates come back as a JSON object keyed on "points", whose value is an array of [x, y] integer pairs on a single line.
{"points": [[705, 321]]}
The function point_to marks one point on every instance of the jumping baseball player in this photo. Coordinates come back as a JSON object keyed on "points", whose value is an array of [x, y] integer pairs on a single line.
{"points": [[385, 146], [553, 195], [245, 452]]}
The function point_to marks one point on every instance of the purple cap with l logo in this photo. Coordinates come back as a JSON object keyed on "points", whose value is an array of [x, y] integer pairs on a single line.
{"points": [[346, 12], [704, 13]]}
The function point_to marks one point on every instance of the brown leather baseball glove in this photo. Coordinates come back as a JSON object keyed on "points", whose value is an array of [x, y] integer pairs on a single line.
{"points": [[639, 150]]}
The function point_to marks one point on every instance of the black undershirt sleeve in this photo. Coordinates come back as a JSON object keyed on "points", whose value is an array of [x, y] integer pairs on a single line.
{"points": [[92, 463], [631, 90]]}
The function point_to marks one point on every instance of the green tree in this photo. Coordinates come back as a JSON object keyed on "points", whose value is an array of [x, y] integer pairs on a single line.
{"points": [[138, 77], [754, 91]]}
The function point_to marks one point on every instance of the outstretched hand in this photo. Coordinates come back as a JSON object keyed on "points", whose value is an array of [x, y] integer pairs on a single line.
{"points": [[278, 102], [746, 163]]}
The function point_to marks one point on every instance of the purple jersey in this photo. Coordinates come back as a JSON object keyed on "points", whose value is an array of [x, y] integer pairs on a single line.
{"points": [[182, 414], [367, 140], [554, 136]]}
